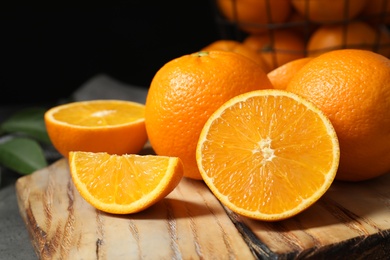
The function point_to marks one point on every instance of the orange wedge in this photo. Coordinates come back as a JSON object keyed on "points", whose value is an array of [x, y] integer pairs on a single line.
{"points": [[112, 126], [268, 154], [124, 184]]}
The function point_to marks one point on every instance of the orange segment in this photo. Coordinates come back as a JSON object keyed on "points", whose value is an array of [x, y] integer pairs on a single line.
{"points": [[112, 126], [268, 154], [124, 184]]}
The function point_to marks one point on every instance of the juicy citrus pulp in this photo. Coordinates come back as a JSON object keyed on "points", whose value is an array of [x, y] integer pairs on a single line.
{"points": [[124, 184], [112, 126], [268, 154]]}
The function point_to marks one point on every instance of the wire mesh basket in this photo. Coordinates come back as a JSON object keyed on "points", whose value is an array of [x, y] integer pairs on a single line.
{"points": [[301, 28]]}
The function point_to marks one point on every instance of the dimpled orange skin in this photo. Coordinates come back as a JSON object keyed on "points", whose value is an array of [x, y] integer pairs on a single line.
{"points": [[352, 87], [186, 91]]}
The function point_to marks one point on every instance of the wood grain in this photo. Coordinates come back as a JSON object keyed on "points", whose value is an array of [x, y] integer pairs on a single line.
{"points": [[351, 221], [188, 224]]}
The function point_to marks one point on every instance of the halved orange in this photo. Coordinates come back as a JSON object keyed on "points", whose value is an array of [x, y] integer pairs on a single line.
{"points": [[268, 154], [124, 184], [112, 126]]}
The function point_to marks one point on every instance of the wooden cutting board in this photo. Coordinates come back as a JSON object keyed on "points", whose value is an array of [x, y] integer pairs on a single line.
{"points": [[351, 221]]}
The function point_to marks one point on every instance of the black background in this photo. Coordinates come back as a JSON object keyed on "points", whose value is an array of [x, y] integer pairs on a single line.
{"points": [[48, 50]]}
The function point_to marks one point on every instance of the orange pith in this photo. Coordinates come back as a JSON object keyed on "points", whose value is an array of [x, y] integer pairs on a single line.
{"points": [[112, 126], [268, 154], [123, 184]]}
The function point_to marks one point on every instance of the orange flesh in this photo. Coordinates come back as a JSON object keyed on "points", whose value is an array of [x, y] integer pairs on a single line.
{"points": [[106, 115], [269, 159], [129, 182]]}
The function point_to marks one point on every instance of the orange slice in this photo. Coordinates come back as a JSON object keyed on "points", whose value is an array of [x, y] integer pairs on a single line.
{"points": [[268, 154], [124, 184], [112, 126]]}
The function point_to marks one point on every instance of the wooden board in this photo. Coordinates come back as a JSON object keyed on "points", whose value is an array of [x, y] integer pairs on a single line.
{"points": [[351, 221], [188, 224]]}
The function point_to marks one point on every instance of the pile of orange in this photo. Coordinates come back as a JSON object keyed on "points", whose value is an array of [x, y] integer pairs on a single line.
{"points": [[267, 144], [284, 30]]}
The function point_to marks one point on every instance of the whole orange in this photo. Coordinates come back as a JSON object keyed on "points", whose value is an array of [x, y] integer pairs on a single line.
{"points": [[356, 35], [185, 91], [352, 87], [277, 47], [325, 11], [255, 16], [238, 47]]}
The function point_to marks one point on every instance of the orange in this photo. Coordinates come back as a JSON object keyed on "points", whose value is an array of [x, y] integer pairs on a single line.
{"points": [[300, 24], [281, 76], [255, 16], [186, 90], [377, 11], [352, 87], [112, 126], [124, 184], [326, 11], [356, 35], [278, 46], [238, 47], [268, 154]]}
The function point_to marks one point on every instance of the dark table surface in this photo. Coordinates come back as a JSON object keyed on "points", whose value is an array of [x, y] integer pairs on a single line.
{"points": [[14, 239]]}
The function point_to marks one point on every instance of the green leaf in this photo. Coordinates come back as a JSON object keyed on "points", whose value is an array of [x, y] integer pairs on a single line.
{"points": [[22, 155], [29, 122]]}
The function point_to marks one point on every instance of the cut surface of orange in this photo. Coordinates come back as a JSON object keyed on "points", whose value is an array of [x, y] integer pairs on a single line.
{"points": [[268, 154], [124, 184], [112, 126]]}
